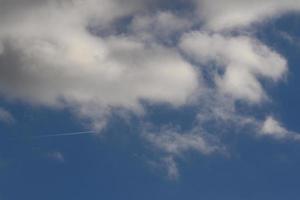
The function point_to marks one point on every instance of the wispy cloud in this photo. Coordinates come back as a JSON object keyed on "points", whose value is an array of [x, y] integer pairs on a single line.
{"points": [[56, 156], [173, 144], [6, 116]]}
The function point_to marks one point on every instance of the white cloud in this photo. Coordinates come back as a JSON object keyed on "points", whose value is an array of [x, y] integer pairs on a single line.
{"points": [[96, 56], [272, 128], [53, 59], [117, 71], [243, 59], [175, 144], [228, 14], [171, 166]]}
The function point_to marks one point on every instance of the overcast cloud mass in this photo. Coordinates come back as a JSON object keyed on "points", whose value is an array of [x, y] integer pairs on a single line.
{"points": [[94, 57]]}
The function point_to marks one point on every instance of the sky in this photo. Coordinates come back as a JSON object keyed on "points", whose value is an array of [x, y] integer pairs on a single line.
{"points": [[149, 99]]}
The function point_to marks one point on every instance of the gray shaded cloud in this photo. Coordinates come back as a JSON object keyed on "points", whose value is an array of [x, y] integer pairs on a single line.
{"points": [[65, 65]]}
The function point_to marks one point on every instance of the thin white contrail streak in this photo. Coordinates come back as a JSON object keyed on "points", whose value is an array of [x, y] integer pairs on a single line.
{"points": [[67, 134]]}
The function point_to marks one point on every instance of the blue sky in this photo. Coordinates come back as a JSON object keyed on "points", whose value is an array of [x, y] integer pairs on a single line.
{"points": [[181, 100]]}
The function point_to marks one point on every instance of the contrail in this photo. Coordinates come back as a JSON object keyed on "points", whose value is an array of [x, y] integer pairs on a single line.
{"points": [[67, 134]]}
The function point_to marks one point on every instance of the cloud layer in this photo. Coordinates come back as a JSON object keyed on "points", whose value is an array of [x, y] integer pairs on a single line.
{"points": [[52, 58], [95, 56]]}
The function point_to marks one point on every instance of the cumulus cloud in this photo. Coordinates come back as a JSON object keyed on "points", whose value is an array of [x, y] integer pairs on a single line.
{"points": [[97, 56], [59, 57], [86, 70], [242, 59], [53, 59], [220, 14], [273, 128]]}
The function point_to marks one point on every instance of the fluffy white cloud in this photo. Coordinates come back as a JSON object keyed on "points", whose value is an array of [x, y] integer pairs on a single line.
{"points": [[242, 59], [95, 56], [53, 53], [271, 127], [220, 14], [116, 71], [53, 59]]}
